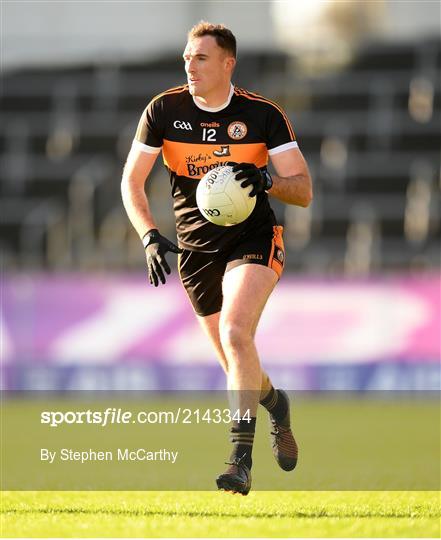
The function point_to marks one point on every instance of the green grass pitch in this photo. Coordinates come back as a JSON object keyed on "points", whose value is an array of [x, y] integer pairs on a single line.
{"points": [[216, 514]]}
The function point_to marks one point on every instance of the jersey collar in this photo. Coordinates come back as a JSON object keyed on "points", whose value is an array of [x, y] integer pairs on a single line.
{"points": [[215, 109]]}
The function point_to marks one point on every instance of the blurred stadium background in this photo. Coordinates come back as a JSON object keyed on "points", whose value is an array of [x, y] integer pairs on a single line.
{"points": [[358, 306]]}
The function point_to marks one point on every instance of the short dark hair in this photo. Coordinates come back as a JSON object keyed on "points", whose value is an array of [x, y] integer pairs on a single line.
{"points": [[224, 37]]}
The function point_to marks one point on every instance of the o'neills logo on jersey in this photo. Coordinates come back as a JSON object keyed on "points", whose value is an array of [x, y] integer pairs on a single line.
{"points": [[237, 130], [194, 170], [210, 125]]}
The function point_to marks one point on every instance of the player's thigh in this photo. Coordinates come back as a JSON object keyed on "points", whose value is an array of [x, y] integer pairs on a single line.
{"points": [[253, 269], [246, 289], [210, 325]]}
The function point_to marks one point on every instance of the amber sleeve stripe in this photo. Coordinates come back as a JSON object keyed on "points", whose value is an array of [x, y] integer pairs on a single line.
{"points": [[256, 97], [175, 90]]}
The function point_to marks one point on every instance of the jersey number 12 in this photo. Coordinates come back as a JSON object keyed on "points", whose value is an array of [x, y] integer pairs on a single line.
{"points": [[209, 135]]}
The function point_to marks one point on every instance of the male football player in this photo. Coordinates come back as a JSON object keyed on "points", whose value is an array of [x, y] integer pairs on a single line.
{"points": [[228, 272]]}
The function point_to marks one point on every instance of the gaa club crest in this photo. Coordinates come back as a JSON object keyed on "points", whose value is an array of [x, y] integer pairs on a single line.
{"points": [[237, 130], [280, 255]]}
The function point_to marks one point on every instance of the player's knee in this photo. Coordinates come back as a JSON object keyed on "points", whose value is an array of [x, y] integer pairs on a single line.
{"points": [[235, 336]]}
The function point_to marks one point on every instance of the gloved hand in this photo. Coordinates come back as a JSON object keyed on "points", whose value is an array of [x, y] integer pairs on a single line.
{"points": [[156, 246], [260, 179]]}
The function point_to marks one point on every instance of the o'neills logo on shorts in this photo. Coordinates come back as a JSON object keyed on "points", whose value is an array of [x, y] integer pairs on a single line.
{"points": [[253, 257], [237, 130], [194, 170]]}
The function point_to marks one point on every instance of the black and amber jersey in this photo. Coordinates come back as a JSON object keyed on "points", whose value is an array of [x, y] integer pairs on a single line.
{"points": [[194, 139]]}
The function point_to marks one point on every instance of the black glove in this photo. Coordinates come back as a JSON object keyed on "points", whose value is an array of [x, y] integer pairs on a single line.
{"points": [[156, 246], [260, 179]]}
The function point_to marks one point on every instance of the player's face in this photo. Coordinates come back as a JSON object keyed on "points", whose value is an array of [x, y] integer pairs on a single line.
{"points": [[208, 67]]}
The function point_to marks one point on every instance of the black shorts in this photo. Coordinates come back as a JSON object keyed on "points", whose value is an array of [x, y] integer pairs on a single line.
{"points": [[202, 273]]}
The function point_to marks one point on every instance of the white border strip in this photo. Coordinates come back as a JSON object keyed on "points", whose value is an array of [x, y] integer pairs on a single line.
{"points": [[283, 148], [138, 145]]}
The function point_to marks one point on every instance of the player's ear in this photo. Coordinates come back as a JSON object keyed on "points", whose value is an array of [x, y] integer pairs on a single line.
{"points": [[230, 63]]}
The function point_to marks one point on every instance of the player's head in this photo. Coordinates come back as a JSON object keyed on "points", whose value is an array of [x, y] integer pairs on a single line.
{"points": [[210, 57]]}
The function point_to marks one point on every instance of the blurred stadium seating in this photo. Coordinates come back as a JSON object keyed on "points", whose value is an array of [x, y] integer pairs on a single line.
{"points": [[73, 317], [370, 132]]}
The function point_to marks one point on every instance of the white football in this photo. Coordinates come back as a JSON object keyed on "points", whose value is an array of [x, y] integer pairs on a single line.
{"points": [[221, 199]]}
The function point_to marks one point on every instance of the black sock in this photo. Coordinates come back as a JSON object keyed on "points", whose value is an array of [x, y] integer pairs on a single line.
{"points": [[276, 404], [242, 437]]}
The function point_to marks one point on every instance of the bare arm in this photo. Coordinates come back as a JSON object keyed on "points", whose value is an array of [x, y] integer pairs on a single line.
{"points": [[137, 168], [292, 184], [136, 171]]}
